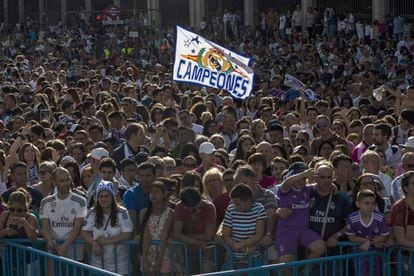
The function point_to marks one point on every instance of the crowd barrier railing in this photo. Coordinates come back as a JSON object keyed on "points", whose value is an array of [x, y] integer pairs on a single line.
{"points": [[320, 266], [401, 260], [25, 257], [35, 260], [18, 259]]}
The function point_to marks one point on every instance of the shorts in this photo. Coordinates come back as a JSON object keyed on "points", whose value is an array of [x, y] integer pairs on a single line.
{"points": [[288, 239]]}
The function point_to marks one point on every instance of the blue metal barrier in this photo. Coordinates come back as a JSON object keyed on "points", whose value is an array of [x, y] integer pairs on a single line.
{"points": [[313, 266], [28, 252], [22, 260], [400, 261]]}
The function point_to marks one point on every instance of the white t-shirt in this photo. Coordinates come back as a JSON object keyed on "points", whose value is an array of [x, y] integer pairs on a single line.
{"points": [[107, 260], [61, 215], [198, 129]]}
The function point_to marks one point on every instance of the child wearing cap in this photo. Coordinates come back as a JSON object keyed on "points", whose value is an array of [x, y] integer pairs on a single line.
{"points": [[294, 194]]}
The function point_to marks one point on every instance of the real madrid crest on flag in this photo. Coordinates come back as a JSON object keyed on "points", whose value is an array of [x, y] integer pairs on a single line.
{"points": [[203, 62]]}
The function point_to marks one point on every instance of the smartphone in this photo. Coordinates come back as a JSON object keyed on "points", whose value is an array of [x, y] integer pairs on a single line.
{"points": [[44, 115]]}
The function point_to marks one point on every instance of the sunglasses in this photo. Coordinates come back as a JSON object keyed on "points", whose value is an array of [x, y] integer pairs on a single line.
{"points": [[300, 140], [322, 125], [17, 210], [368, 183], [189, 165], [44, 172]]}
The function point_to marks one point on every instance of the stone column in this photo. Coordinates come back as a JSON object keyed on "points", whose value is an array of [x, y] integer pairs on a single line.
{"points": [[41, 11], [197, 12], [63, 10], [154, 12], [21, 11], [6, 12], [305, 4], [249, 13], [88, 6], [379, 9]]}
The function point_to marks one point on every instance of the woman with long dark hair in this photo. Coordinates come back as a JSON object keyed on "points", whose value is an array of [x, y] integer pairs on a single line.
{"points": [[156, 225], [107, 226]]}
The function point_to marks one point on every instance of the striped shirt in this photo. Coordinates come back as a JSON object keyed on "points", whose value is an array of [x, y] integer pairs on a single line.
{"points": [[243, 224]]}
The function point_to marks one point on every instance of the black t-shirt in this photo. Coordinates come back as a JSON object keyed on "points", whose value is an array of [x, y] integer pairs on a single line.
{"points": [[340, 208]]}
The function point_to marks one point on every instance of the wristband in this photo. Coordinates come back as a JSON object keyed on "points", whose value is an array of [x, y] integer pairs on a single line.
{"points": [[269, 234]]}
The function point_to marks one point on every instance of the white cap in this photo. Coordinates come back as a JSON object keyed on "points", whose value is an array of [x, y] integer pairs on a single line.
{"points": [[98, 153], [409, 143], [207, 148]]}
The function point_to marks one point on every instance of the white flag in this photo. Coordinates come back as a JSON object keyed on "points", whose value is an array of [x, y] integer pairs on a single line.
{"points": [[292, 82], [203, 62]]}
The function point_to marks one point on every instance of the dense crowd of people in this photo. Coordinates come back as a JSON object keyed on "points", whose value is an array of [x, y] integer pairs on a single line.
{"points": [[99, 143]]}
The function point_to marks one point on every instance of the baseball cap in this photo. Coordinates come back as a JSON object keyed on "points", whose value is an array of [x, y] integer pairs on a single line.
{"points": [[409, 143], [98, 153], [296, 168], [274, 125], [299, 148], [207, 148]]}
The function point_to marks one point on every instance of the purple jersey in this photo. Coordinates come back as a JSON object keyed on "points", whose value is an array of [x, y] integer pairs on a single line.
{"points": [[299, 202], [377, 225]]}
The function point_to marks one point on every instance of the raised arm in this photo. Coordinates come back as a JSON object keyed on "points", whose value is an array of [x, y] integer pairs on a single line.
{"points": [[299, 179]]}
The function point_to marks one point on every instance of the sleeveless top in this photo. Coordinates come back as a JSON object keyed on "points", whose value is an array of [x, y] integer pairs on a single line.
{"points": [[156, 224], [21, 233]]}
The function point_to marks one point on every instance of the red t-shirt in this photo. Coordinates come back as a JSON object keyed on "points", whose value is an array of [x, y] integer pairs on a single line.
{"points": [[402, 214], [195, 223], [267, 181], [221, 203]]}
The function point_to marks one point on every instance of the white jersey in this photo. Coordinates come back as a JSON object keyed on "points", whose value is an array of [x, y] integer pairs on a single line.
{"points": [[61, 215], [123, 225]]}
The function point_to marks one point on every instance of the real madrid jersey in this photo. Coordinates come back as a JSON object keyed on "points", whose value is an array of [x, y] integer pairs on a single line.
{"points": [[62, 213]]}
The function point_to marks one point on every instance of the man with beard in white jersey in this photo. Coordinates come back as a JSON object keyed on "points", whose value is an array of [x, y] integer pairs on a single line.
{"points": [[62, 216]]}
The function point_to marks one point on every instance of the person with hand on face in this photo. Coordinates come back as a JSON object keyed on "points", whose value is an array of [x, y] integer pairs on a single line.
{"points": [[293, 230], [62, 215], [106, 226], [17, 222]]}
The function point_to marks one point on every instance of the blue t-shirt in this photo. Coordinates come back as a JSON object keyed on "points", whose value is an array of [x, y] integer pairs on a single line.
{"points": [[136, 199]]}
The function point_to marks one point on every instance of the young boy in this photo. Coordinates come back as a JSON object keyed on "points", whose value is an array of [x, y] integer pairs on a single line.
{"points": [[278, 166], [368, 228], [243, 226], [294, 230]]}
